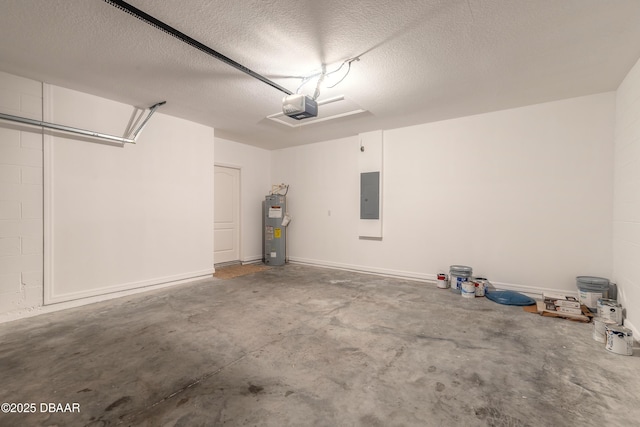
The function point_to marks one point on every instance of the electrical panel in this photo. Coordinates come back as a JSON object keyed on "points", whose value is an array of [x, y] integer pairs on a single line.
{"points": [[370, 195], [274, 230]]}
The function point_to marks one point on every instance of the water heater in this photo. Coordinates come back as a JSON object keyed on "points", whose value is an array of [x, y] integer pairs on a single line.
{"points": [[274, 229]]}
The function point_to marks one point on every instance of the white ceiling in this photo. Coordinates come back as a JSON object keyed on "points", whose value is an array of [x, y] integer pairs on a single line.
{"points": [[420, 61]]}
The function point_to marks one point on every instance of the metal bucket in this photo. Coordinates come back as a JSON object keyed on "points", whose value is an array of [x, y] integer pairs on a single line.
{"points": [[458, 275], [610, 309], [590, 289]]}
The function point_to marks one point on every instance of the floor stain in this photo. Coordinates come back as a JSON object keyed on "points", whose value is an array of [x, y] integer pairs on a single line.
{"points": [[371, 420], [431, 369], [494, 417], [182, 402], [288, 393], [475, 378], [84, 390], [439, 386], [255, 389], [122, 400]]}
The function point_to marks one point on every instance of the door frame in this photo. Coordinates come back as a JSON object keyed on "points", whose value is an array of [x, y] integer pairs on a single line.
{"points": [[239, 169]]}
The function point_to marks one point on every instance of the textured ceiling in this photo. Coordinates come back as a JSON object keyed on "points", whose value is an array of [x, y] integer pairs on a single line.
{"points": [[420, 61]]}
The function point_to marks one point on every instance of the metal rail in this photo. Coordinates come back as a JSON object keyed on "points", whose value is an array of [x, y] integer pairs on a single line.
{"points": [[85, 132], [162, 26]]}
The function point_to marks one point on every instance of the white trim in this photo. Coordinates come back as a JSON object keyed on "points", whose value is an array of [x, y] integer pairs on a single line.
{"points": [[35, 311], [534, 291], [421, 277], [128, 286], [239, 169], [47, 165], [252, 259], [228, 165]]}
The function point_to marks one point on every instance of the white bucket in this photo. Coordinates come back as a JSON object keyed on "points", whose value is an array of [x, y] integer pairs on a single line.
{"points": [[619, 340], [468, 289], [600, 329]]}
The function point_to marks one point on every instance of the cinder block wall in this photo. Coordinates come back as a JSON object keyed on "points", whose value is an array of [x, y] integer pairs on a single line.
{"points": [[21, 236]]}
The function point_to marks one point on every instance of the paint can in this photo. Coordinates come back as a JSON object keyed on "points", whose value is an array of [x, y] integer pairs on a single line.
{"points": [[600, 329], [619, 340], [443, 281], [610, 309], [590, 289], [481, 285], [459, 274], [468, 289]]}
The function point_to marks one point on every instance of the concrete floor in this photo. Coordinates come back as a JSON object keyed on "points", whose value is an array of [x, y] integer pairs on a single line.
{"points": [[302, 346]]}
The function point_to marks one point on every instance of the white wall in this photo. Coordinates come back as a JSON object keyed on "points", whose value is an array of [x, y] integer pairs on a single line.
{"points": [[21, 274], [127, 216], [626, 221], [524, 196], [255, 182]]}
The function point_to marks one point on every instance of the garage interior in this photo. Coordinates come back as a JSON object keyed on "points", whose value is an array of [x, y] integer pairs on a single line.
{"points": [[138, 143]]}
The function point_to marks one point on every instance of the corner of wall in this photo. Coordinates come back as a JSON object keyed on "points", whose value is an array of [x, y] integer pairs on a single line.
{"points": [[21, 188], [626, 200]]}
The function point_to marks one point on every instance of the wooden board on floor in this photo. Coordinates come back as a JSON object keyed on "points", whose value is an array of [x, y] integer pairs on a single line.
{"points": [[238, 270]]}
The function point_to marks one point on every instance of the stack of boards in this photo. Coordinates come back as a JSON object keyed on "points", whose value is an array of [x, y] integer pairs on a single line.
{"points": [[563, 306]]}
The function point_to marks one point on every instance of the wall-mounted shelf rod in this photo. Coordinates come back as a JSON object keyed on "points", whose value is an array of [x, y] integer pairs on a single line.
{"points": [[84, 132]]}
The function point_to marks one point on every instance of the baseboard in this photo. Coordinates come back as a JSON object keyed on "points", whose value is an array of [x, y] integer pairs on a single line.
{"points": [[533, 291], [385, 272], [226, 264], [255, 259], [36, 311], [52, 298]]}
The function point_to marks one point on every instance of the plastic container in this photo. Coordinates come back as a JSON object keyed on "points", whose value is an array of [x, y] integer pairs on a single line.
{"points": [[590, 289], [459, 274]]}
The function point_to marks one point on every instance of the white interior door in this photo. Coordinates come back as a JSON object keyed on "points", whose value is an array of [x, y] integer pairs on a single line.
{"points": [[226, 238]]}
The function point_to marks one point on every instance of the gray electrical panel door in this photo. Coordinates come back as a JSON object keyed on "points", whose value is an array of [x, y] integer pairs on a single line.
{"points": [[274, 233], [370, 195]]}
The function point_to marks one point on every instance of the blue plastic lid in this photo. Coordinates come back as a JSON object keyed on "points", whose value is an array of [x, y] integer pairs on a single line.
{"points": [[509, 298]]}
